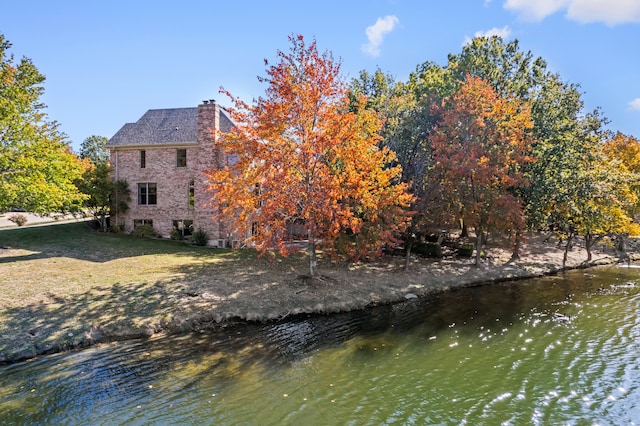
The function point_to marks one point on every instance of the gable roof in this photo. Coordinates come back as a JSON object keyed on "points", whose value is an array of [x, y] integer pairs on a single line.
{"points": [[226, 124], [159, 127]]}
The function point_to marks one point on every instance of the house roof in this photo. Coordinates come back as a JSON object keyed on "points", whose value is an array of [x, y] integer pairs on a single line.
{"points": [[159, 127]]}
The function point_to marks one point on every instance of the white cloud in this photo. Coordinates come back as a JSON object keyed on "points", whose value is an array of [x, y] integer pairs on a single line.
{"points": [[535, 10], [611, 12], [504, 33], [635, 104], [377, 32]]}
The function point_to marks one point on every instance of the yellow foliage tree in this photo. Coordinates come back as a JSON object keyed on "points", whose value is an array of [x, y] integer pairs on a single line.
{"points": [[604, 206], [624, 152]]}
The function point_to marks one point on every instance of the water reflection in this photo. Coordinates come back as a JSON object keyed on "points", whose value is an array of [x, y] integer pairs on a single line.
{"points": [[551, 350]]}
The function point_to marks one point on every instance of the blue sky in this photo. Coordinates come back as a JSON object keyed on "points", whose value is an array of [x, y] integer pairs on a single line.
{"points": [[108, 62]]}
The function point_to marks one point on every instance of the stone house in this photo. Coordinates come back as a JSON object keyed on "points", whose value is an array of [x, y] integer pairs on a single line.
{"points": [[163, 157]]}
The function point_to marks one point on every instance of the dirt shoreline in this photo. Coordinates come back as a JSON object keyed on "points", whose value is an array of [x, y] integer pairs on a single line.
{"points": [[212, 298]]}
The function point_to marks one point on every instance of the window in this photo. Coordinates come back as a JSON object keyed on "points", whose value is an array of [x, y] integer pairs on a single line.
{"points": [[147, 194], [192, 194], [184, 227], [231, 159], [143, 158], [181, 157], [141, 222]]}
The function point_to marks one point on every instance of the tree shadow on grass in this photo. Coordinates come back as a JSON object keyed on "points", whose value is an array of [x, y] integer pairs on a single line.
{"points": [[115, 312], [207, 293], [192, 297], [78, 240]]}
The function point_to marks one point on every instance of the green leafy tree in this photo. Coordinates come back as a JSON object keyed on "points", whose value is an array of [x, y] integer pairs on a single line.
{"points": [[37, 166], [95, 183], [119, 200], [429, 85], [408, 121], [596, 198], [504, 65], [564, 179], [391, 100], [93, 148], [594, 206]]}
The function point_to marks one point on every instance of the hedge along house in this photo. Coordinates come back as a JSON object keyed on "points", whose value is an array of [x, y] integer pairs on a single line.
{"points": [[163, 157]]}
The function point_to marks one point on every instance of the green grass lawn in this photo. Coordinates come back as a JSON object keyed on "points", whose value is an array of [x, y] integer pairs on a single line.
{"points": [[72, 259]]}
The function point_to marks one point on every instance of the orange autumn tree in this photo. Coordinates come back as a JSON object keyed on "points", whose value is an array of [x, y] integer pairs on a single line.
{"points": [[479, 147], [299, 159]]}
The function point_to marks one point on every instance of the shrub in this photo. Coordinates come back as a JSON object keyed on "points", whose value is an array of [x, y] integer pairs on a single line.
{"points": [[431, 238], [176, 235], [143, 231], [465, 250], [18, 219], [428, 249], [200, 237]]}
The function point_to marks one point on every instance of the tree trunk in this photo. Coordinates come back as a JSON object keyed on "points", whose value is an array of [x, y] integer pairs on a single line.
{"points": [[465, 231], [478, 244], [588, 243], [566, 250], [103, 222], [620, 243], [407, 259], [516, 248], [313, 262]]}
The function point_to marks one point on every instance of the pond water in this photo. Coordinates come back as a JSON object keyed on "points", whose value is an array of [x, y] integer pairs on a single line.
{"points": [[555, 350]]}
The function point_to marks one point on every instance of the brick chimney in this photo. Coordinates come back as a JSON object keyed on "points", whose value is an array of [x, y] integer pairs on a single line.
{"points": [[207, 157], [208, 125], [208, 122]]}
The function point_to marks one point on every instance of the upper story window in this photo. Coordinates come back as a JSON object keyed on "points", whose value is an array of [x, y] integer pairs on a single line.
{"points": [[181, 157], [192, 193], [143, 158], [147, 194], [231, 159]]}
